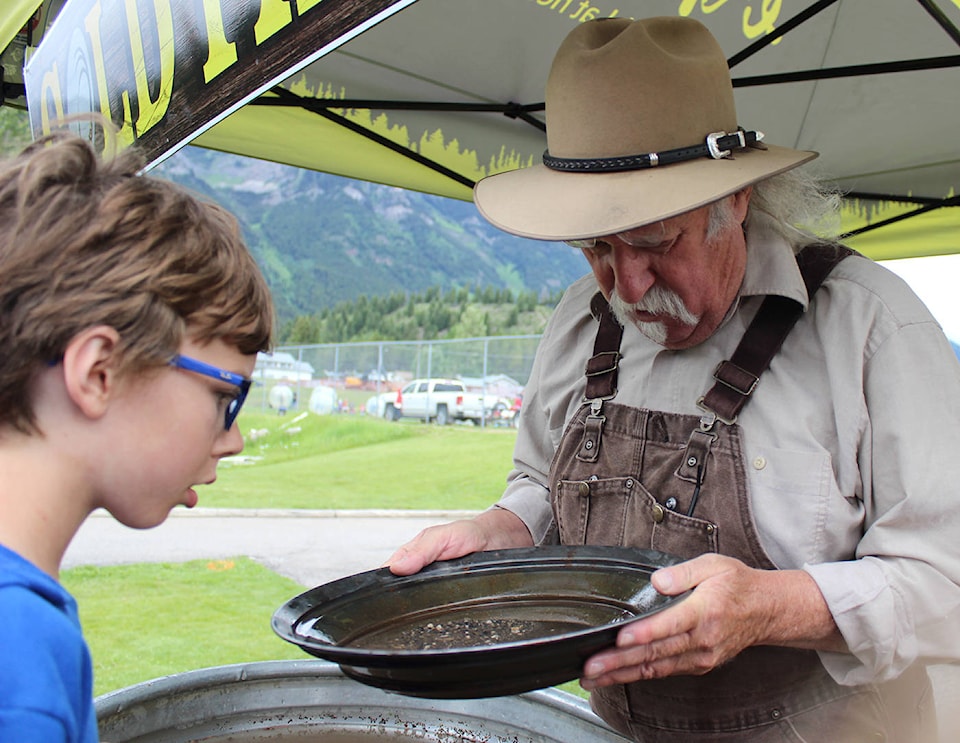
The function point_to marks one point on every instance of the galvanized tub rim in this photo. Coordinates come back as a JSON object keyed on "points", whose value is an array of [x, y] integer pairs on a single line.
{"points": [[269, 700]]}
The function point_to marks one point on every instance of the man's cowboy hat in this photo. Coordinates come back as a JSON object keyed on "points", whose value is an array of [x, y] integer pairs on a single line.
{"points": [[637, 113]]}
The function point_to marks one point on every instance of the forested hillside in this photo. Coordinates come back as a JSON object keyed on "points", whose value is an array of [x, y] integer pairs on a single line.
{"points": [[458, 313], [14, 130], [323, 240]]}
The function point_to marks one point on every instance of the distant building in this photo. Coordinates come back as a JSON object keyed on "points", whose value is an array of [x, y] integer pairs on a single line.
{"points": [[282, 365], [494, 384]]}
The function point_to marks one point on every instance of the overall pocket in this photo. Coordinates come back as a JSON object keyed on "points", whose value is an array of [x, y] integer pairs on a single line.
{"points": [[619, 511]]}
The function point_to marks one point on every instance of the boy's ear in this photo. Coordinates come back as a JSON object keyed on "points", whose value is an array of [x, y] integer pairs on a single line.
{"points": [[90, 364]]}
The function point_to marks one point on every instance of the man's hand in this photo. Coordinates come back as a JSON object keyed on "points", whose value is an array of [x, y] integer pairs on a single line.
{"points": [[496, 528], [731, 607]]}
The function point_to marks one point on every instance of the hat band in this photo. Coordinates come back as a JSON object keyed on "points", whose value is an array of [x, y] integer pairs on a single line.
{"points": [[717, 145]]}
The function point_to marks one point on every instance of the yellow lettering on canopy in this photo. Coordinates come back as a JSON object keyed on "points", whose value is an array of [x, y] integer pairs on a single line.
{"points": [[769, 12], [151, 111], [92, 25], [584, 4], [706, 6], [50, 88], [274, 15], [220, 52], [305, 5]]}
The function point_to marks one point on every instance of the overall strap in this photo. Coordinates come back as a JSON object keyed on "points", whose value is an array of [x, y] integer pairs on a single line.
{"points": [[737, 377], [602, 367]]}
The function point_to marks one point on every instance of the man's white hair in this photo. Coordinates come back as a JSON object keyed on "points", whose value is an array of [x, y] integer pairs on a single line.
{"points": [[797, 206]]}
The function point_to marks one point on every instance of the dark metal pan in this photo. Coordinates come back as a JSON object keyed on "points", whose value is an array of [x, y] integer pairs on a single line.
{"points": [[488, 624]]}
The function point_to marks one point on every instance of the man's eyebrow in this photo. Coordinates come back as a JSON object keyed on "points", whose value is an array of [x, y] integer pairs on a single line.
{"points": [[653, 241]]}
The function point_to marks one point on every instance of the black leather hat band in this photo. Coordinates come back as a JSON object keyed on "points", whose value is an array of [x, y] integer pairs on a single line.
{"points": [[716, 145]]}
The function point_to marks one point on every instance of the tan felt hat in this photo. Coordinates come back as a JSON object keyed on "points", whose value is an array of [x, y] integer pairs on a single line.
{"points": [[641, 126]]}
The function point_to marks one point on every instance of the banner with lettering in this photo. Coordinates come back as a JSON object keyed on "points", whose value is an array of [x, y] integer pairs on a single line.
{"points": [[164, 70]]}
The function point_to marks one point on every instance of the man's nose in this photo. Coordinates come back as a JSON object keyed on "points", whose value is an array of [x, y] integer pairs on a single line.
{"points": [[632, 274]]}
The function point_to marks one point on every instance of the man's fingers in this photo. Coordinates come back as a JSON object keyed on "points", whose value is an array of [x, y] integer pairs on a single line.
{"points": [[405, 562], [689, 574]]}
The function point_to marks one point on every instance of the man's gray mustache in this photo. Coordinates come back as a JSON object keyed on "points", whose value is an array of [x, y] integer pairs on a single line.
{"points": [[659, 301]]}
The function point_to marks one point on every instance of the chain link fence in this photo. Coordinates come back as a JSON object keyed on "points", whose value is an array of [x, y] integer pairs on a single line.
{"points": [[346, 377]]}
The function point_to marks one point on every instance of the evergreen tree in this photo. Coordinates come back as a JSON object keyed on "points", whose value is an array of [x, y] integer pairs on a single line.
{"points": [[428, 316]]}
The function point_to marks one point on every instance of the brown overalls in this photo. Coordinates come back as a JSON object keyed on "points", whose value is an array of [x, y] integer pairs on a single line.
{"points": [[676, 483]]}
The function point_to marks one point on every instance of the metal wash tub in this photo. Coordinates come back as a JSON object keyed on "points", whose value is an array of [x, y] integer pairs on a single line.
{"points": [[312, 701]]}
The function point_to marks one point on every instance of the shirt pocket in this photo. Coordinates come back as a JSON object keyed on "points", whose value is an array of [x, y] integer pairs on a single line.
{"points": [[790, 503]]}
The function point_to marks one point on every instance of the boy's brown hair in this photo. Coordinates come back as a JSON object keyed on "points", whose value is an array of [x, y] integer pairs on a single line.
{"points": [[86, 241]]}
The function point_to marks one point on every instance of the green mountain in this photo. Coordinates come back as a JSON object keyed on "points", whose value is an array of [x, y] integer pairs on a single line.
{"points": [[323, 239]]}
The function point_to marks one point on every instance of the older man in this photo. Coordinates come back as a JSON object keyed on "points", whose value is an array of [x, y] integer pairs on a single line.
{"points": [[728, 388]]}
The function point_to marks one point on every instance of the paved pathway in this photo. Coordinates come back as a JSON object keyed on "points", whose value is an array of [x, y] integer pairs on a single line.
{"points": [[311, 547]]}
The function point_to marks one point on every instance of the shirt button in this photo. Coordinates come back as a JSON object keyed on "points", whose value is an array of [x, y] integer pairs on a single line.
{"points": [[658, 513], [584, 488], [671, 503], [759, 463]]}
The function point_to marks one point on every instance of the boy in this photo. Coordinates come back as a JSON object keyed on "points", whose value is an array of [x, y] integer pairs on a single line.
{"points": [[131, 314]]}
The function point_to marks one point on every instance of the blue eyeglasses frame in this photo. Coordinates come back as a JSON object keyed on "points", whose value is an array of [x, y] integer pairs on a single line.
{"points": [[209, 370]]}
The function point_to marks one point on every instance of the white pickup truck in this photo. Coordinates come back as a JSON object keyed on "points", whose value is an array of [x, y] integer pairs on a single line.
{"points": [[440, 400]]}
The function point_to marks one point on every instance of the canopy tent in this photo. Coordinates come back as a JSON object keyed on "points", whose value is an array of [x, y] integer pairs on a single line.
{"points": [[433, 94]]}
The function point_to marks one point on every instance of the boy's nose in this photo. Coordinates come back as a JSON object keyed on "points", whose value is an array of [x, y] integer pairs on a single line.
{"points": [[231, 442]]}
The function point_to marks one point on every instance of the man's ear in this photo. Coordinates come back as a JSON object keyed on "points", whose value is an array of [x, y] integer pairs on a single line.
{"points": [[90, 364], [741, 200]]}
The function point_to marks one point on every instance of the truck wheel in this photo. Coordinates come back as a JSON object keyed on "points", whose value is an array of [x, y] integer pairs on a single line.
{"points": [[391, 413], [443, 417]]}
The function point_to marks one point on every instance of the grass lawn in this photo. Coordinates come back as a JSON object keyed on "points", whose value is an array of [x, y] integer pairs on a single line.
{"points": [[351, 461], [152, 620]]}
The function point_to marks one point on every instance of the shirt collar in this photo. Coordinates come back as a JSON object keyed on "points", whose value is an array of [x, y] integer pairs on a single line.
{"points": [[771, 267]]}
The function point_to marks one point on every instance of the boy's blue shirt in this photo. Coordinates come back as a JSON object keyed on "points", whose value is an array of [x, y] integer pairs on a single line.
{"points": [[46, 675]]}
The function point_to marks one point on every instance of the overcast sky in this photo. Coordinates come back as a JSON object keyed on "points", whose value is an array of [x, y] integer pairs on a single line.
{"points": [[936, 279]]}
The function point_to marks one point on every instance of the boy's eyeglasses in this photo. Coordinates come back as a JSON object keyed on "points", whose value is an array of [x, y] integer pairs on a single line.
{"points": [[208, 370]]}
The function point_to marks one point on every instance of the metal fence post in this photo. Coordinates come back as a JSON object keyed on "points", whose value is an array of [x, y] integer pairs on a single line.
{"points": [[486, 352]]}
